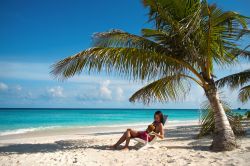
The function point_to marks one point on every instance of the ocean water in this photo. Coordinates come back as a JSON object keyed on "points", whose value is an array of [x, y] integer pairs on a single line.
{"points": [[24, 120]]}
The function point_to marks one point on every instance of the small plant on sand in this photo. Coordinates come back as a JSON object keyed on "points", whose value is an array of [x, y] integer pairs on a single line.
{"points": [[208, 124]]}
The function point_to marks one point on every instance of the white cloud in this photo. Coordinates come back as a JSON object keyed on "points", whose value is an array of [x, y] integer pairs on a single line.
{"points": [[105, 91], [119, 94], [56, 92], [3, 86]]}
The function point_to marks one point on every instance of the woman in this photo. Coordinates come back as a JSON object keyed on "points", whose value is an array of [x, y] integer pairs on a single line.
{"points": [[159, 132]]}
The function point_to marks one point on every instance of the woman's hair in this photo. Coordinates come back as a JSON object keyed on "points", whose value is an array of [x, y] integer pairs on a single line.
{"points": [[160, 114]]}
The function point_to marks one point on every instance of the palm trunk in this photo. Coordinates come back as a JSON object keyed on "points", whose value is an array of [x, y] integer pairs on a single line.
{"points": [[223, 138]]}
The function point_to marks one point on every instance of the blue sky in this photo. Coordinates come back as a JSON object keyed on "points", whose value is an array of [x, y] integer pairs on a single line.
{"points": [[34, 34]]}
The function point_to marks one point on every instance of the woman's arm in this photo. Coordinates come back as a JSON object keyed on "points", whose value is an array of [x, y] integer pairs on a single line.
{"points": [[161, 135]]}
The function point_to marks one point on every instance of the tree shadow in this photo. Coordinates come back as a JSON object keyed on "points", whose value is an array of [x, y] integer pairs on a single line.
{"points": [[176, 134], [43, 148], [30, 148], [53, 147], [72, 144], [180, 133]]}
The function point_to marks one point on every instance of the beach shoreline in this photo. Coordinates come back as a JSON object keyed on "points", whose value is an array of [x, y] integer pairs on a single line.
{"points": [[80, 147], [69, 130]]}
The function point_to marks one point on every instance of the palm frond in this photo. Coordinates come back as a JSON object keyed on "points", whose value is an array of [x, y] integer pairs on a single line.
{"points": [[119, 38], [235, 80], [244, 94], [177, 9], [227, 17], [165, 89], [132, 63], [221, 29]]}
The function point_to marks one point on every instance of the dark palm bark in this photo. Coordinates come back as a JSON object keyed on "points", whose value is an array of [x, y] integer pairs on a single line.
{"points": [[223, 138]]}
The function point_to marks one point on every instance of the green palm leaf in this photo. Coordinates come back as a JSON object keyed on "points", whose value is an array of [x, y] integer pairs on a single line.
{"points": [[244, 94], [235, 80], [118, 38], [165, 89], [131, 63]]}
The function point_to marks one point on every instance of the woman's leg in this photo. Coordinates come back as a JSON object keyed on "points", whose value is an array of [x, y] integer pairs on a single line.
{"points": [[121, 140], [125, 135], [130, 133]]}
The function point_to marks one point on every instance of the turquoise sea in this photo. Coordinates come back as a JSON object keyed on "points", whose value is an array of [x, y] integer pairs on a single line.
{"points": [[23, 120]]}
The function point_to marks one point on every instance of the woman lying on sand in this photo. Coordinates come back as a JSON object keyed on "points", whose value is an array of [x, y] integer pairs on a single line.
{"points": [[156, 127]]}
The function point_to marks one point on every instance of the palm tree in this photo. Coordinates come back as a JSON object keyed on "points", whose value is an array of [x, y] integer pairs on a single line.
{"points": [[238, 80], [189, 37]]}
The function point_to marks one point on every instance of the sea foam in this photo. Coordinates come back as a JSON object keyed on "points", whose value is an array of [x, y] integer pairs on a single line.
{"points": [[26, 130]]}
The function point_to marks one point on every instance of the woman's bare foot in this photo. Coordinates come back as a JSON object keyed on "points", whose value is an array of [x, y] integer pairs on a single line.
{"points": [[125, 149]]}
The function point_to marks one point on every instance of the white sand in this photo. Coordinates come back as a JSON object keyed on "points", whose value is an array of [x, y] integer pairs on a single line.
{"points": [[81, 147]]}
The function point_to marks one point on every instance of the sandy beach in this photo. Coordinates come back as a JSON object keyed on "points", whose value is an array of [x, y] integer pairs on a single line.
{"points": [[78, 77], [90, 147]]}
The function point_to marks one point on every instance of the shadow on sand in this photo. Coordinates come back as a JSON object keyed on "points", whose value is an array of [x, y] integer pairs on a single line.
{"points": [[35, 148], [177, 134], [53, 147], [68, 145]]}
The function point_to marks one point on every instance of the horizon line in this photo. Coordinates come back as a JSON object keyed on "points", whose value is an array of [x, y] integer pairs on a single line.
{"points": [[110, 108]]}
